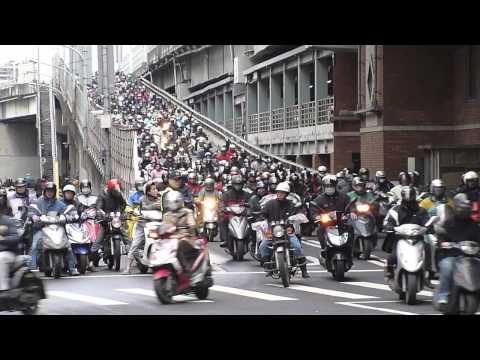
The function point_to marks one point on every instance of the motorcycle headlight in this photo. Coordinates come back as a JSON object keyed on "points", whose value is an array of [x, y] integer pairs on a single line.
{"points": [[209, 204], [278, 231], [153, 234], [116, 223], [469, 250], [363, 208], [211, 226]]}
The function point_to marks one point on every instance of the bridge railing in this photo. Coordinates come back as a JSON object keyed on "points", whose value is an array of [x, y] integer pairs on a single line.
{"points": [[123, 159], [220, 130]]}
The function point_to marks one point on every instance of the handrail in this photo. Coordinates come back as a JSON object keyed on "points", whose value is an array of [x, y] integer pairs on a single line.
{"points": [[219, 129]]}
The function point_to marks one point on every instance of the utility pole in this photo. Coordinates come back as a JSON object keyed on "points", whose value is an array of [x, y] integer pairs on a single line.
{"points": [[53, 128], [39, 127]]}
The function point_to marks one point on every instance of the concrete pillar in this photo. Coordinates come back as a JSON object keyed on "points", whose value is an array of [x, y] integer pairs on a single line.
{"points": [[276, 92], [289, 88], [203, 107], [219, 109], [303, 84], [263, 95], [322, 77], [211, 107], [228, 101], [252, 99]]}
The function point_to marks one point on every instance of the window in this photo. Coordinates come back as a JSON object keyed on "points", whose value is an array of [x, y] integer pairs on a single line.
{"points": [[330, 81], [311, 86]]}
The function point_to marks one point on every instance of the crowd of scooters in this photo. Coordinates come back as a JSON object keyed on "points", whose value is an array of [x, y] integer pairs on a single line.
{"points": [[190, 193]]}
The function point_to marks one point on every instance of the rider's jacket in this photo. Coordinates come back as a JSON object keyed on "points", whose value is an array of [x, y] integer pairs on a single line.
{"points": [[11, 238], [232, 197], [336, 202], [111, 203], [366, 197], [276, 210], [400, 214], [134, 198], [16, 201], [431, 205]]}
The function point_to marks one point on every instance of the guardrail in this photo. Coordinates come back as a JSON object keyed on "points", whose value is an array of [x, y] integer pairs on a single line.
{"points": [[218, 129]]}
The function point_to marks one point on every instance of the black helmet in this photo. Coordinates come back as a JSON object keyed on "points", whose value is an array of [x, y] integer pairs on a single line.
{"points": [[260, 185], [139, 184], [404, 178], [408, 194], [364, 174], [462, 207], [358, 185], [51, 186], [85, 183]]}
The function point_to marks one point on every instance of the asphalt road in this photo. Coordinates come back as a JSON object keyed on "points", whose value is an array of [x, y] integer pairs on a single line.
{"points": [[240, 288]]}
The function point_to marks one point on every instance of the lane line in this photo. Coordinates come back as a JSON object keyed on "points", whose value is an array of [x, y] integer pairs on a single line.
{"points": [[376, 308], [327, 292], [306, 242], [151, 293], [84, 298], [249, 293], [314, 261], [381, 287], [94, 276], [376, 262]]}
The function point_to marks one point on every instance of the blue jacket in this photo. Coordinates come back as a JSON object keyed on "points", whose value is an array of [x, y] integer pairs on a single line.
{"points": [[134, 198], [46, 205]]}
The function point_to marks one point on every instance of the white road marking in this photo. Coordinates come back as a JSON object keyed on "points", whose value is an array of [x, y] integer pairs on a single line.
{"points": [[310, 243], [249, 293], [327, 292], [381, 287], [85, 298], [151, 293], [314, 261], [376, 308], [376, 262], [436, 282]]}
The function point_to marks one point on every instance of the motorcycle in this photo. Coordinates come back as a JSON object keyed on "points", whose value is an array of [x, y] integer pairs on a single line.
{"points": [[168, 275], [308, 228], [209, 210], [26, 289], [238, 231], [259, 228], [409, 275], [465, 292], [152, 218], [365, 230], [81, 236], [338, 257], [54, 242], [115, 246], [285, 263]]}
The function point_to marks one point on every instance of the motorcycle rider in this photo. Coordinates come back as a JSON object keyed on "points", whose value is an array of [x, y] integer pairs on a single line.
{"points": [[330, 200], [276, 210], [408, 212], [9, 241], [364, 174], [343, 186], [254, 201], [193, 184], [180, 216], [85, 201], [381, 182], [236, 195], [455, 225], [20, 198], [470, 186], [296, 185], [149, 201], [49, 203], [436, 197], [111, 200], [360, 191]]}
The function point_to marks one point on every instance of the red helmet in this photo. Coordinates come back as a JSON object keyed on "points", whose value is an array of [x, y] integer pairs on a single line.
{"points": [[112, 183]]}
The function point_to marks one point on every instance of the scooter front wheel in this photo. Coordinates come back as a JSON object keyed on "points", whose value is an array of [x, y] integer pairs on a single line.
{"points": [[57, 265], [30, 309], [201, 292], [411, 295], [339, 270], [165, 289], [82, 263]]}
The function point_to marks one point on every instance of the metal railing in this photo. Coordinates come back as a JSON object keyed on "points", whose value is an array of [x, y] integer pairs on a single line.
{"points": [[253, 124], [307, 114], [325, 110], [124, 144], [291, 117], [238, 126], [229, 124], [277, 119], [216, 129], [264, 122]]}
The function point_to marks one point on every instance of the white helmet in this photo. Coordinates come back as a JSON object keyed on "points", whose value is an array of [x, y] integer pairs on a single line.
{"points": [[322, 168], [71, 188], [471, 175], [173, 200], [283, 186]]}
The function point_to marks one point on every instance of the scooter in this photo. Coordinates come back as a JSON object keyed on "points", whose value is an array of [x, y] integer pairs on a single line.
{"points": [[115, 245], [26, 289], [238, 231], [152, 218], [259, 228], [54, 242], [169, 279], [465, 292], [409, 275], [364, 229], [338, 256], [209, 210]]}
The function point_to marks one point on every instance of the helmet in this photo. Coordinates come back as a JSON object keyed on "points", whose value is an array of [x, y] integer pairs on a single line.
{"points": [[265, 176], [237, 182], [462, 207], [223, 148], [408, 194], [294, 177], [234, 170], [112, 184], [437, 188], [71, 188], [284, 187], [173, 200], [358, 185], [260, 185], [364, 173], [380, 176], [471, 179], [415, 177], [85, 183], [404, 178], [20, 182], [340, 175], [192, 177], [322, 169], [139, 183], [209, 184], [329, 180], [273, 183], [50, 186]]}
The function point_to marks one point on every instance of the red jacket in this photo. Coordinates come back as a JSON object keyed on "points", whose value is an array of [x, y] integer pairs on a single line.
{"points": [[218, 186], [221, 157], [194, 188]]}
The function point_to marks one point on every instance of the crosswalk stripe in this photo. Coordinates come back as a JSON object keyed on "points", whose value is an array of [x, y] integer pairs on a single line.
{"points": [[327, 292], [376, 262], [377, 308], [381, 287], [151, 293], [310, 243], [85, 298], [314, 261], [249, 293]]}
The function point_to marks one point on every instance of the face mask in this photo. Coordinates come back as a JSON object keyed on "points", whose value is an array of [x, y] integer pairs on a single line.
{"points": [[330, 190]]}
